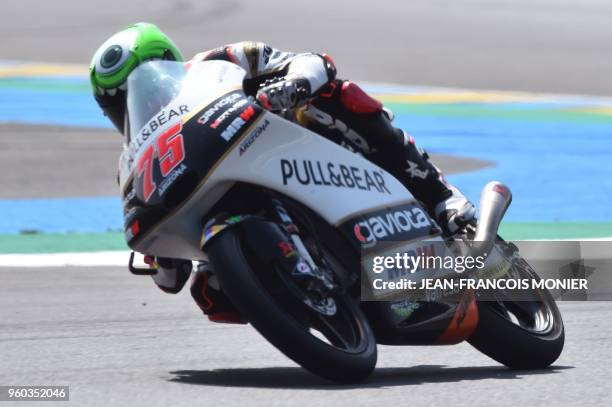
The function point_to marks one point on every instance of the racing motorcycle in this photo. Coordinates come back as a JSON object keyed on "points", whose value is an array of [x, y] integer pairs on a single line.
{"points": [[285, 215]]}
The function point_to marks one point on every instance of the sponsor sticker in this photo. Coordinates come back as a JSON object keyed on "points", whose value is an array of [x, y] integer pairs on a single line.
{"points": [[211, 111], [162, 118], [238, 123], [244, 146], [328, 174], [390, 225], [227, 113], [173, 176]]}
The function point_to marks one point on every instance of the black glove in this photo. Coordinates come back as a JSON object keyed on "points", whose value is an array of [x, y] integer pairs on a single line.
{"points": [[281, 94]]}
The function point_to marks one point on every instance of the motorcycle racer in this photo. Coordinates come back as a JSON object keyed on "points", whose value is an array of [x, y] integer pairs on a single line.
{"points": [[303, 88]]}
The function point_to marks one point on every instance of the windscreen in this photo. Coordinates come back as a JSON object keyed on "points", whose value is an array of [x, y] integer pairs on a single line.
{"points": [[155, 85]]}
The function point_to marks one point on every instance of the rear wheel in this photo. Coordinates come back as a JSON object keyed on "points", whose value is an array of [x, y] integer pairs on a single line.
{"points": [[339, 345], [520, 334]]}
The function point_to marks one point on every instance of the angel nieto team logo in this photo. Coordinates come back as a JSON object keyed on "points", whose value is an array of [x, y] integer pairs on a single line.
{"points": [[170, 150]]}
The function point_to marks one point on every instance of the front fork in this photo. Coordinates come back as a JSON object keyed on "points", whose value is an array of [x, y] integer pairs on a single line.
{"points": [[306, 271], [313, 270]]}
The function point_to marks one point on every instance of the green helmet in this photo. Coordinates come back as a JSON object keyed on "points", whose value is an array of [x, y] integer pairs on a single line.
{"points": [[118, 57]]}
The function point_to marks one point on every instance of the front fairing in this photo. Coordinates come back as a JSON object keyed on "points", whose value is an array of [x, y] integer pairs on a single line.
{"points": [[175, 139], [162, 94]]}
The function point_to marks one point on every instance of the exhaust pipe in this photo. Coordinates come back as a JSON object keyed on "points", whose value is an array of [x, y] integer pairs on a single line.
{"points": [[495, 199]]}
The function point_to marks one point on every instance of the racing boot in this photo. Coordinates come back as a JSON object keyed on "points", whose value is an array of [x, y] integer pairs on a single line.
{"points": [[206, 292], [447, 205]]}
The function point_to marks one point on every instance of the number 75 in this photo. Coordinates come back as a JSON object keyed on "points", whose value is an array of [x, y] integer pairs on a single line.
{"points": [[171, 152]]}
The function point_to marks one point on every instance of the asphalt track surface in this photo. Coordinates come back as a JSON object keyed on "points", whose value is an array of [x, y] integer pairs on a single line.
{"points": [[559, 46], [116, 340]]}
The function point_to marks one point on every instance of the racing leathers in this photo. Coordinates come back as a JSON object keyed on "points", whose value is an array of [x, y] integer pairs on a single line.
{"points": [[303, 87]]}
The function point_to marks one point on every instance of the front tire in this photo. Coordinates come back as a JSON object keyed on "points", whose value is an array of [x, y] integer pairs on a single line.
{"points": [[346, 360]]}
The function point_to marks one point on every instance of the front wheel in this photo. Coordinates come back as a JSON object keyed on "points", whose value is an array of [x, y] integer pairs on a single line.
{"points": [[520, 334], [340, 347]]}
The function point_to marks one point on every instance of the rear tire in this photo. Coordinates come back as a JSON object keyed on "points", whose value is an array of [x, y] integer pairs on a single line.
{"points": [[273, 320], [512, 346], [520, 347]]}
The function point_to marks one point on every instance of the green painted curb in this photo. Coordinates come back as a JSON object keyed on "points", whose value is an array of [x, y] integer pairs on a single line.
{"points": [[62, 242], [555, 230]]}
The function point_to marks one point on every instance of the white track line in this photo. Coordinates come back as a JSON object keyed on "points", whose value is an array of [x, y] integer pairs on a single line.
{"points": [[120, 258], [92, 259]]}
